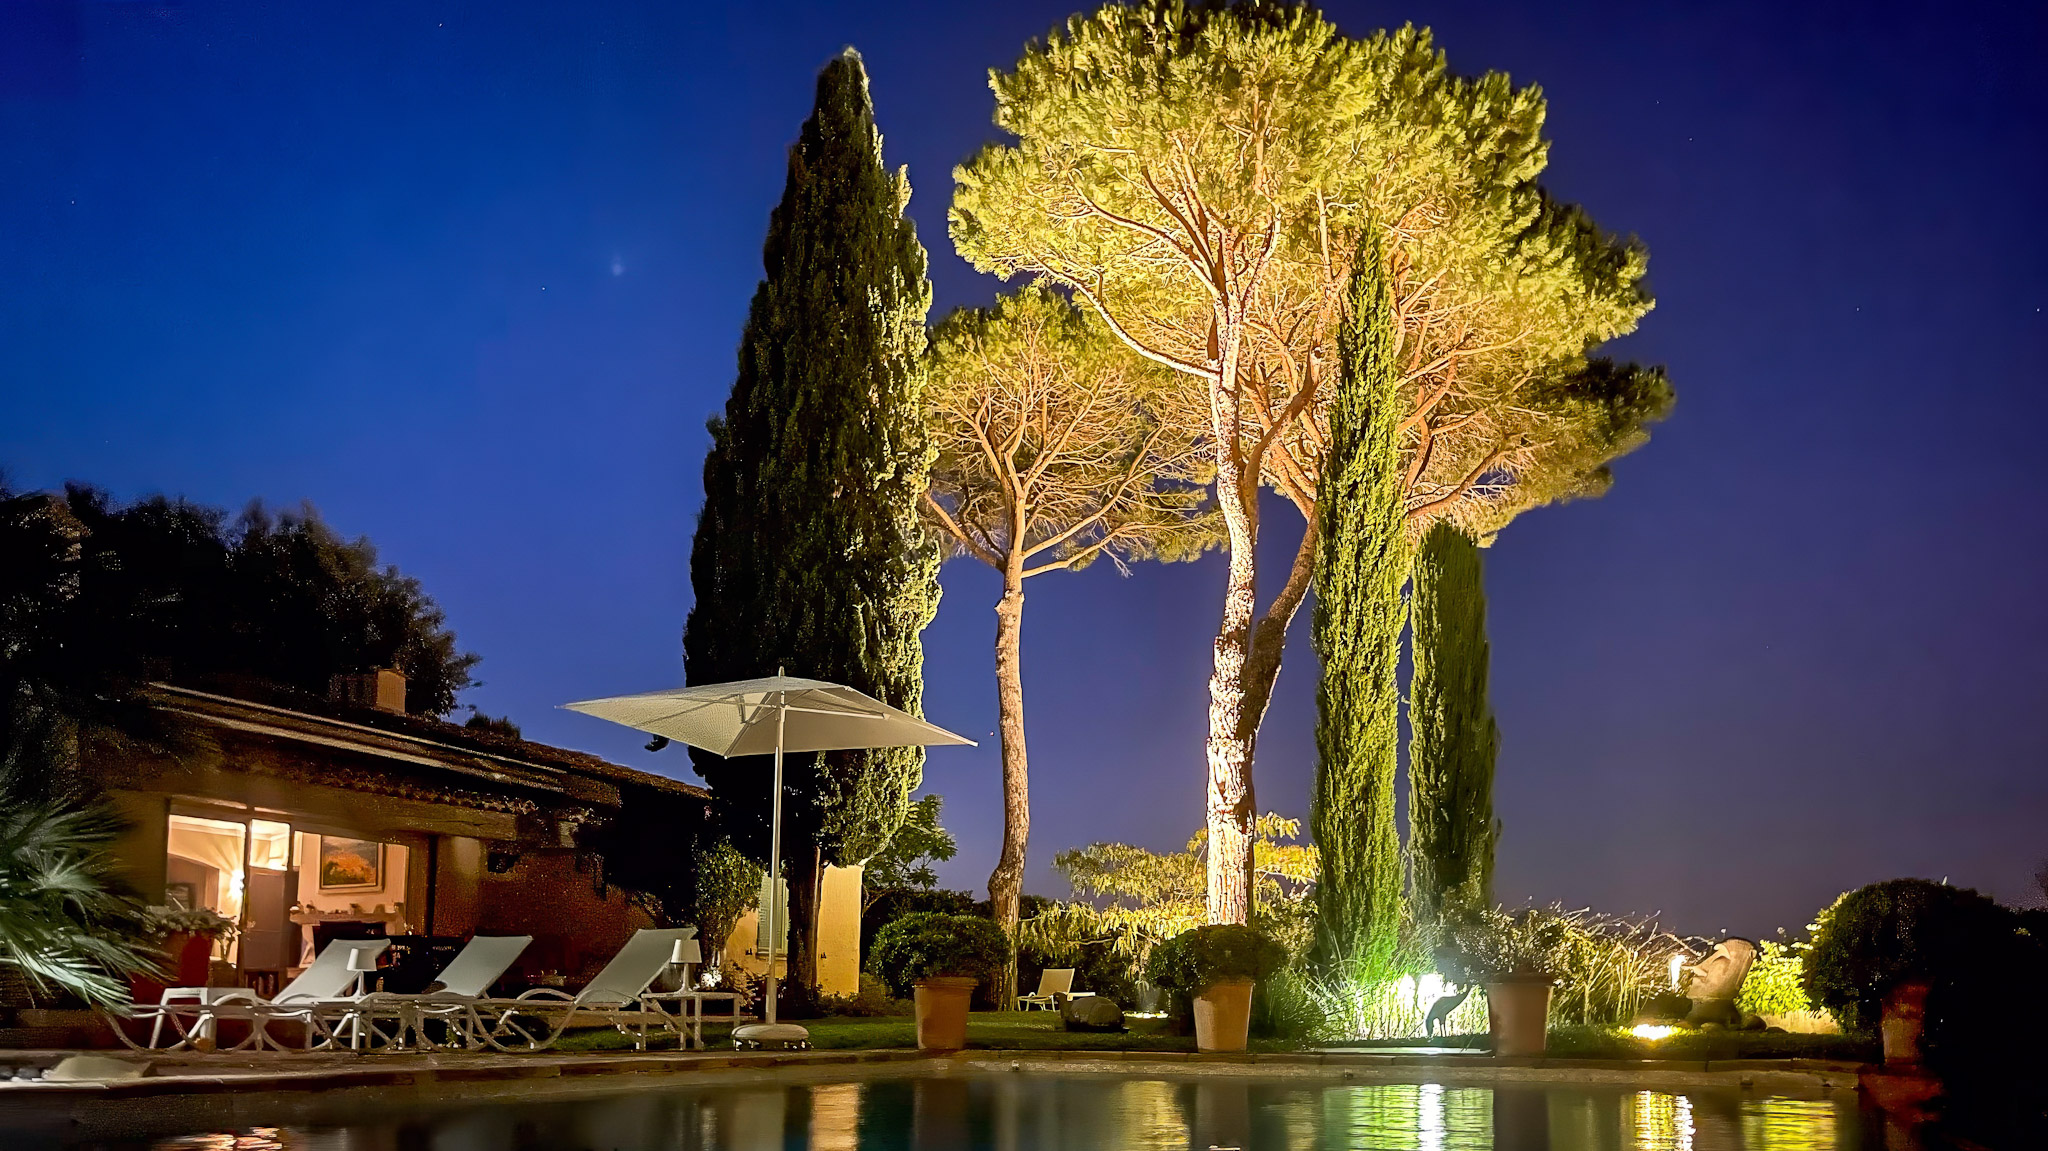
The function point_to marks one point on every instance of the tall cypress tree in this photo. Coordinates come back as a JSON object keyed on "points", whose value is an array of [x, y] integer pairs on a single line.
{"points": [[1451, 751], [809, 554], [1361, 563]]}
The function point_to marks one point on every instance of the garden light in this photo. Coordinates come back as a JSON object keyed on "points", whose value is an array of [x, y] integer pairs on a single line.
{"points": [[1651, 1031]]}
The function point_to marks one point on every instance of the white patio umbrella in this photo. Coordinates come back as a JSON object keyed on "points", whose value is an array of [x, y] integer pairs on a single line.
{"points": [[758, 716]]}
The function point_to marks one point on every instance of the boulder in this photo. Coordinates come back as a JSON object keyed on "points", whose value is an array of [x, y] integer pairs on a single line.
{"points": [[1091, 1013]]}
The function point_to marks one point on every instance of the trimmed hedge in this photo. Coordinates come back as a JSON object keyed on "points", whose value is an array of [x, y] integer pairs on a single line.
{"points": [[928, 943], [1193, 960]]}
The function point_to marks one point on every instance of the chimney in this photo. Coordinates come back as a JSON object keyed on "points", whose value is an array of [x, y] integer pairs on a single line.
{"points": [[383, 689]]}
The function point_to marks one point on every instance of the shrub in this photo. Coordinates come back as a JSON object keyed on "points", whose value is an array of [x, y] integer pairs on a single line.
{"points": [[1776, 984], [1877, 937], [1605, 967], [1192, 960], [929, 943], [871, 1001]]}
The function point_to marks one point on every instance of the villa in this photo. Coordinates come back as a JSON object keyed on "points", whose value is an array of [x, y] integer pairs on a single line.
{"points": [[306, 820]]}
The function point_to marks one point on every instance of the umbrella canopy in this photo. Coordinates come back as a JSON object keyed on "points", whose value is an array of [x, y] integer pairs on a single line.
{"points": [[738, 718]]}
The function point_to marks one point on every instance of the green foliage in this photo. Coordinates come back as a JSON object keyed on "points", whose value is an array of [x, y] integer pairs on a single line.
{"points": [[1213, 953], [930, 944], [1776, 984], [494, 724], [1878, 936], [871, 1001], [1152, 138], [160, 923], [907, 861], [1038, 412], [808, 553], [65, 923], [1453, 742], [1361, 563], [1603, 968], [726, 884], [187, 594], [1134, 898]]}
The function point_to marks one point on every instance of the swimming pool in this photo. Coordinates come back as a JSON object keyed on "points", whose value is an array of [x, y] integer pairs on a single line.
{"points": [[1049, 1112]]}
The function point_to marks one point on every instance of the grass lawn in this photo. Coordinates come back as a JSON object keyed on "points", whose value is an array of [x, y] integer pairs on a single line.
{"points": [[1039, 1031], [1007, 1030]]}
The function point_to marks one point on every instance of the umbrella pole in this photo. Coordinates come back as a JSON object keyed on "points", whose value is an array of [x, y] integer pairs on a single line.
{"points": [[777, 943]]}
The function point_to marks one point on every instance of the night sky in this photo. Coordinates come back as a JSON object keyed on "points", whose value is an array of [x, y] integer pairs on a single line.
{"points": [[471, 277]]}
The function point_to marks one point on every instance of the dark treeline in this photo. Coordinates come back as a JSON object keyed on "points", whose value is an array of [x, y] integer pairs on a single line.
{"points": [[178, 591]]}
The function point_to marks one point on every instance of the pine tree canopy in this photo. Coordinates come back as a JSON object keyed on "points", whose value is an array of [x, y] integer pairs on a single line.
{"points": [[809, 554], [1199, 174], [1055, 441]]}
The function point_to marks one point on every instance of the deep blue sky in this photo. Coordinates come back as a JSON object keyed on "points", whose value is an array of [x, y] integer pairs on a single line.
{"points": [[470, 278]]}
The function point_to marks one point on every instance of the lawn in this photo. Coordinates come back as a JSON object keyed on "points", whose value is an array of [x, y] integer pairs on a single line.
{"points": [[1004, 1030], [1039, 1031]]}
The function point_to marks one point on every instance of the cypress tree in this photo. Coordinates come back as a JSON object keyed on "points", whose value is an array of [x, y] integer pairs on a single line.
{"points": [[1361, 563], [809, 554], [1451, 751]]}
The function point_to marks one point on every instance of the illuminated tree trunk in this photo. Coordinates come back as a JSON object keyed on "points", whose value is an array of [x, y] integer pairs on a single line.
{"points": [[1361, 563], [1232, 805], [1006, 882]]}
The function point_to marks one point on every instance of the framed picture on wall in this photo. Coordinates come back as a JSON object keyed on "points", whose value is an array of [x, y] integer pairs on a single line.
{"points": [[347, 864], [180, 896]]}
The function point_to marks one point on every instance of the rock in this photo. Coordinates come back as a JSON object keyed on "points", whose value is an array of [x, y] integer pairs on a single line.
{"points": [[77, 1068], [1091, 1013]]}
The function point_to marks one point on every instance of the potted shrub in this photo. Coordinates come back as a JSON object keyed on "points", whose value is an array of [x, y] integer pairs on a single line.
{"points": [[1217, 966], [939, 959], [1514, 958], [1881, 949], [185, 939]]}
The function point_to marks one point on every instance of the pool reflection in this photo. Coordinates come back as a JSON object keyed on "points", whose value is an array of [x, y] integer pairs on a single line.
{"points": [[1033, 1113]]}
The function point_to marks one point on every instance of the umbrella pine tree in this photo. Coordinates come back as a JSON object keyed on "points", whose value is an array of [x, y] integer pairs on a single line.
{"points": [[1361, 563], [808, 553], [1453, 742]]}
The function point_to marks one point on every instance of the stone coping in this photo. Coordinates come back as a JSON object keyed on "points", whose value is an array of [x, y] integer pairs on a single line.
{"points": [[465, 1075]]}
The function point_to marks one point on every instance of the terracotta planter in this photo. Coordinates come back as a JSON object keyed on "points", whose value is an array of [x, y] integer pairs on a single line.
{"points": [[1223, 1015], [942, 1012], [1518, 1013], [1903, 1023], [186, 959]]}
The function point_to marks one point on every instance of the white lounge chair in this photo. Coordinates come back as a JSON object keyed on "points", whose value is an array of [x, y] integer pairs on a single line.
{"points": [[618, 995], [195, 1012], [389, 1019], [1054, 985]]}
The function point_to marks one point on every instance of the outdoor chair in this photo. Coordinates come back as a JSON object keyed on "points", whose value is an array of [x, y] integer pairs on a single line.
{"points": [[194, 1013], [618, 995], [387, 1019], [1054, 984]]}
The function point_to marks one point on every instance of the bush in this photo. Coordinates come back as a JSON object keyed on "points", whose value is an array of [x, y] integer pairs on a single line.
{"points": [[929, 943], [1605, 967], [1776, 984], [872, 1001], [1877, 937], [1192, 960]]}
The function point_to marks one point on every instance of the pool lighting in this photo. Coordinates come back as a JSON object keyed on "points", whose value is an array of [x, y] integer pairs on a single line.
{"points": [[1651, 1031]]}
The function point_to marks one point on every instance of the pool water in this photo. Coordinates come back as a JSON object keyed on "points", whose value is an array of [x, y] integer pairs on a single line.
{"points": [[1029, 1112]]}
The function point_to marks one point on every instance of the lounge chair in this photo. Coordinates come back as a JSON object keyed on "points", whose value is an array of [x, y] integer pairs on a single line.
{"points": [[1054, 984], [194, 1013], [388, 1019], [618, 996]]}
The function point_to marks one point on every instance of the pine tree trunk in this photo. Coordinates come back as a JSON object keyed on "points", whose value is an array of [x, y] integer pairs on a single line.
{"points": [[1451, 830], [1232, 806], [803, 872], [1006, 882], [1360, 568]]}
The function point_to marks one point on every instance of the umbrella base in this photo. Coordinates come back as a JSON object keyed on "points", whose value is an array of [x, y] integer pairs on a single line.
{"points": [[786, 1036]]}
